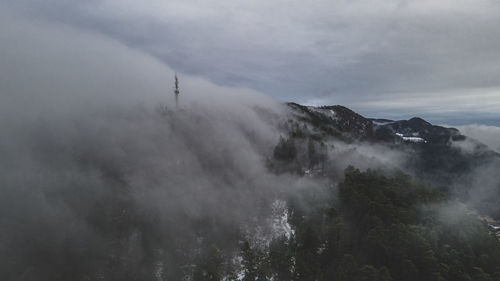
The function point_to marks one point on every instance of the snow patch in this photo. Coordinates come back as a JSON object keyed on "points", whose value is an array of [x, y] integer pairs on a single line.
{"points": [[328, 112], [280, 223], [411, 139], [414, 139]]}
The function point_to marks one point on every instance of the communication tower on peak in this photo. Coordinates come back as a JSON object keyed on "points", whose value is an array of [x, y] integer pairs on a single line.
{"points": [[176, 91]]}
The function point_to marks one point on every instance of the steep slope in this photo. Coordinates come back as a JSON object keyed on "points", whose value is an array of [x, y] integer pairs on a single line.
{"points": [[338, 120], [438, 155], [416, 130]]}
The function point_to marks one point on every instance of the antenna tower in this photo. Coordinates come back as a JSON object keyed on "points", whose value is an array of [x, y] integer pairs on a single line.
{"points": [[176, 91]]}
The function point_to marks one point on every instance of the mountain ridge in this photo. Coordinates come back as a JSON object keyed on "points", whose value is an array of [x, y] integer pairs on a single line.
{"points": [[338, 119]]}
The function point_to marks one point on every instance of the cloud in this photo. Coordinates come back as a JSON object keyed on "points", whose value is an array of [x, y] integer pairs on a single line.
{"points": [[485, 188], [98, 167], [363, 156], [351, 53], [489, 135]]}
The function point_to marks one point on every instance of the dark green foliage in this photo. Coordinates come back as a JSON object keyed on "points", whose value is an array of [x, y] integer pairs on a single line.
{"points": [[301, 151], [322, 123], [316, 152], [372, 226], [285, 150], [280, 258], [387, 227], [209, 263], [255, 263]]}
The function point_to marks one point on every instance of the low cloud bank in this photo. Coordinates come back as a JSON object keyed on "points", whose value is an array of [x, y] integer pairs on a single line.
{"points": [[489, 135], [98, 166]]}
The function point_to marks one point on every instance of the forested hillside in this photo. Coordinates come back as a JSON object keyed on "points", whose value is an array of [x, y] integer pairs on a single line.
{"points": [[272, 193]]}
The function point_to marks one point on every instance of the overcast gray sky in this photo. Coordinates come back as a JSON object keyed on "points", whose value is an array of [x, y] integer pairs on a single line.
{"points": [[439, 59]]}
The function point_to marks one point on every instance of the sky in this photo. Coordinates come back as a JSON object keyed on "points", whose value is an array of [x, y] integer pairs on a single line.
{"points": [[437, 59]]}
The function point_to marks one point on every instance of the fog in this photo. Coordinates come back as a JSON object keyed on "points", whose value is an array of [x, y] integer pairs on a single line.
{"points": [[97, 164], [489, 135], [365, 156]]}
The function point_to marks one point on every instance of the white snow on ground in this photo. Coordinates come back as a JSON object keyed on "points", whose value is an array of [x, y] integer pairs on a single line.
{"points": [[240, 272], [328, 112], [494, 227], [414, 139], [411, 139], [280, 223], [261, 236], [277, 225], [240, 275]]}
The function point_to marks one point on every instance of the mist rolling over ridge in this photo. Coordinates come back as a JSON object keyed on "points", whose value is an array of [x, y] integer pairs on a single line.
{"points": [[103, 177], [102, 162]]}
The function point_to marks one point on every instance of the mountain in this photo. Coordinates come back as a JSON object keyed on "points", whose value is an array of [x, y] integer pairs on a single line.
{"points": [[439, 156], [410, 212], [340, 120]]}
